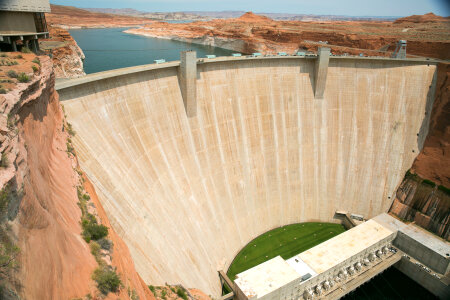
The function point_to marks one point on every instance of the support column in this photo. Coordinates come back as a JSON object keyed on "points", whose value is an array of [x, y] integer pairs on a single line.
{"points": [[320, 72], [14, 45], [187, 78], [34, 46]]}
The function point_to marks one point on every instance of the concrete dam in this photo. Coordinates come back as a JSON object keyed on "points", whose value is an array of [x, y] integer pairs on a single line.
{"points": [[188, 189]]}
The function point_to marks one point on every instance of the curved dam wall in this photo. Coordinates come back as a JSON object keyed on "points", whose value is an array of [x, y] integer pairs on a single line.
{"points": [[186, 194]]}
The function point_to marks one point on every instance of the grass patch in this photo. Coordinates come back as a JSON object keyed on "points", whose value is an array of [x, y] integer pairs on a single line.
{"points": [[3, 91], [35, 69], [286, 241], [152, 288], [25, 50]]}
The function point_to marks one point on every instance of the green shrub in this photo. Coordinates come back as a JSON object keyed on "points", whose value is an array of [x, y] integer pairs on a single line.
{"points": [[12, 74], [23, 77], [35, 69], [37, 61], [4, 199], [107, 280], [4, 163], [19, 56], [411, 176], [70, 148], [163, 294], [429, 182], [92, 230], [95, 248], [3, 55], [152, 288], [105, 244], [3, 91], [444, 189], [11, 121], [25, 50], [182, 294], [69, 129]]}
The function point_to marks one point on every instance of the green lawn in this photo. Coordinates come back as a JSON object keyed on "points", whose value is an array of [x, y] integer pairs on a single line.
{"points": [[286, 241]]}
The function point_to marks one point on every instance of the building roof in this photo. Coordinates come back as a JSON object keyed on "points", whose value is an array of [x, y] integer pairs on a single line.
{"points": [[25, 5], [345, 245], [266, 277], [422, 236]]}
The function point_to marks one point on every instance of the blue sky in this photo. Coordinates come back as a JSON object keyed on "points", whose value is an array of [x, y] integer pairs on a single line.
{"points": [[331, 7]]}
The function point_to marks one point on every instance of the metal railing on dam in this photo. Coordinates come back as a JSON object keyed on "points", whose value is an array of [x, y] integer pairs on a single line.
{"points": [[186, 193]]}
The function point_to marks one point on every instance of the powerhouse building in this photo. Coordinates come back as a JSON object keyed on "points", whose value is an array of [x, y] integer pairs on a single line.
{"points": [[23, 20]]}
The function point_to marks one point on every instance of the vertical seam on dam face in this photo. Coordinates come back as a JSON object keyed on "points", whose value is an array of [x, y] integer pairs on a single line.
{"points": [[187, 191]]}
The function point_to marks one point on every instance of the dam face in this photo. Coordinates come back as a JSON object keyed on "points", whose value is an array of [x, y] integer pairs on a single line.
{"points": [[186, 194]]}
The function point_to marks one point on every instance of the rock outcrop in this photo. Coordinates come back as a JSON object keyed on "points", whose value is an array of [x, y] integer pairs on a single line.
{"points": [[256, 33], [67, 56], [426, 18], [424, 204]]}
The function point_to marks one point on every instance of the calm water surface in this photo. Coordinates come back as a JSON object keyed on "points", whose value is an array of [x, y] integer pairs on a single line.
{"points": [[111, 48]]}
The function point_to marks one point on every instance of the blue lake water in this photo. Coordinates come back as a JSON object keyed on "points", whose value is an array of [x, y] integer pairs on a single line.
{"points": [[111, 48]]}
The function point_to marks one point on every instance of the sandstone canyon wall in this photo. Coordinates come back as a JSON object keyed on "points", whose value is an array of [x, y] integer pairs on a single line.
{"points": [[39, 178]]}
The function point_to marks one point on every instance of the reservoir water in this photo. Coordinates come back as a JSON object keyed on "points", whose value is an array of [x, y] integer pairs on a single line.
{"points": [[111, 48]]}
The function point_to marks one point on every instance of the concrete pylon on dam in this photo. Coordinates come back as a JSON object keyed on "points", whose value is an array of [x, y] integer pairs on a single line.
{"points": [[186, 194]]}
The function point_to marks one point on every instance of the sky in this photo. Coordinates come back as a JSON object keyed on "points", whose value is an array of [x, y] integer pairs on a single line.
{"points": [[317, 7]]}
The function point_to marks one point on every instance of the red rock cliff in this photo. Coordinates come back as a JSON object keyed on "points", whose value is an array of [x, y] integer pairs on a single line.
{"points": [[43, 217]]}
